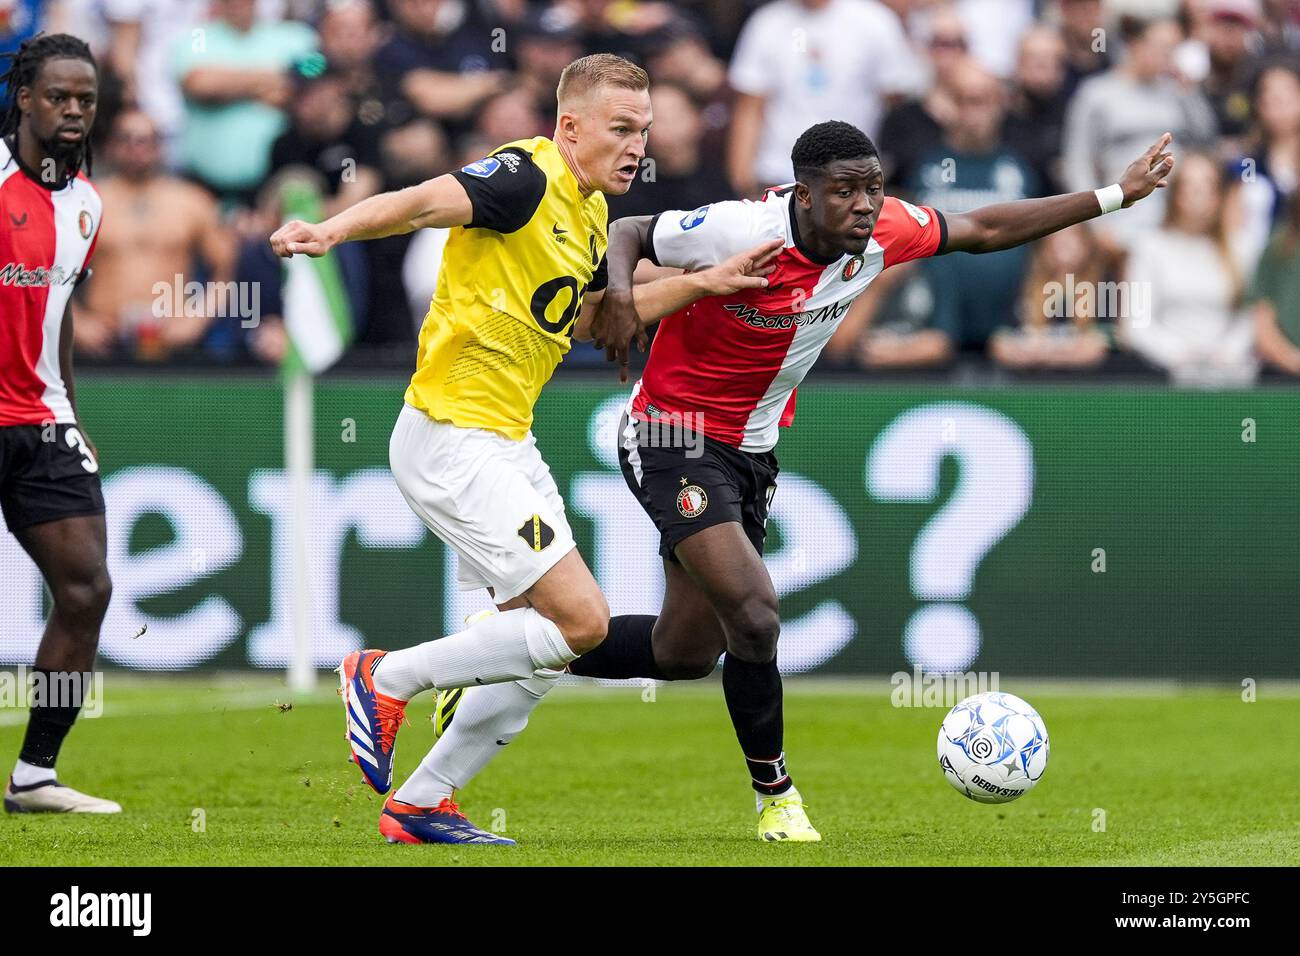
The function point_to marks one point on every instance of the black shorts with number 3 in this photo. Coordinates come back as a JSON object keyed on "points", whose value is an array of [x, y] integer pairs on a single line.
{"points": [[687, 483], [47, 472]]}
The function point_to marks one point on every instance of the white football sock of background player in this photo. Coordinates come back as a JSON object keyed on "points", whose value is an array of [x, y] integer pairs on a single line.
{"points": [[487, 719]]}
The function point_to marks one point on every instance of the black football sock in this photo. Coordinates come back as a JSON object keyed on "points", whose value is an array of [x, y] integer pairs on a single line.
{"points": [[48, 724], [753, 693], [626, 651]]}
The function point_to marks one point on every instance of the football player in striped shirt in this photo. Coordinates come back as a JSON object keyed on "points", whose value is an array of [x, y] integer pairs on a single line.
{"points": [[49, 474], [721, 377]]}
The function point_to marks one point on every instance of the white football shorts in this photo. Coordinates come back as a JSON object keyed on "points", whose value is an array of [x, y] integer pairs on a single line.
{"points": [[488, 498]]}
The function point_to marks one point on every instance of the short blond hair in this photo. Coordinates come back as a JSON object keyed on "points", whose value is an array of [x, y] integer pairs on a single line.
{"points": [[600, 69]]}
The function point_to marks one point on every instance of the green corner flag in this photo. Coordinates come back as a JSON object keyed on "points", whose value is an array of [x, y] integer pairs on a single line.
{"points": [[317, 313]]}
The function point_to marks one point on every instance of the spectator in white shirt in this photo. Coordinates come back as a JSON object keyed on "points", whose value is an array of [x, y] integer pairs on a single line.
{"points": [[1185, 283], [799, 62], [994, 29]]}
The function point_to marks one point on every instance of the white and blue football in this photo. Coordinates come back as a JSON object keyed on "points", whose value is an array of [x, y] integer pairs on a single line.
{"points": [[993, 747]]}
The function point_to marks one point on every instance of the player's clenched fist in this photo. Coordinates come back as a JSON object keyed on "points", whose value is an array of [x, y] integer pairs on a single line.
{"points": [[297, 236], [1148, 172]]}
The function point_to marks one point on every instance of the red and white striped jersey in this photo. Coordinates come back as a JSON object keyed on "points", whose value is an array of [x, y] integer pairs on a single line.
{"points": [[47, 237], [729, 365]]}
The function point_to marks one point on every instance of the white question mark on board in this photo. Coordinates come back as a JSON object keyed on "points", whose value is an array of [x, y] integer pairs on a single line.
{"points": [[994, 490]]}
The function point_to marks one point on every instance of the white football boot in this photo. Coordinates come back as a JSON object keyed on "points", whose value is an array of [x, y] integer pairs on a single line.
{"points": [[50, 796]]}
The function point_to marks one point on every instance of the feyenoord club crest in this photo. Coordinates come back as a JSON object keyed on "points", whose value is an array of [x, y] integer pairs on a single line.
{"points": [[691, 501], [851, 268], [84, 223]]}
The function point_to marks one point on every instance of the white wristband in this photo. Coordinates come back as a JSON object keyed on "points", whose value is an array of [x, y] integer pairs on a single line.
{"points": [[1110, 198]]}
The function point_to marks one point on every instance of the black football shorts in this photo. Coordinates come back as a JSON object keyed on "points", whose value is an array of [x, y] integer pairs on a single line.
{"points": [[687, 482], [47, 472]]}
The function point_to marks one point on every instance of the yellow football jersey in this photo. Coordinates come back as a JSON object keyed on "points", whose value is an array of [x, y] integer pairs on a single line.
{"points": [[509, 289]]}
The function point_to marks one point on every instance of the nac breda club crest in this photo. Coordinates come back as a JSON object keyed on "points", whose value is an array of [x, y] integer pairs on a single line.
{"points": [[537, 534]]}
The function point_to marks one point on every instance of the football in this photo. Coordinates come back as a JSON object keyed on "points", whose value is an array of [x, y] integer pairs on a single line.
{"points": [[993, 747]]}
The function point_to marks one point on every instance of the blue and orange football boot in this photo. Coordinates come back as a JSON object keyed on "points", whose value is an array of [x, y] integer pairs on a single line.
{"points": [[404, 823], [371, 720]]}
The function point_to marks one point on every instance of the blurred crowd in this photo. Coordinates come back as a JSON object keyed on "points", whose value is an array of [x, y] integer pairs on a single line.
{"points": [[208, 105]]}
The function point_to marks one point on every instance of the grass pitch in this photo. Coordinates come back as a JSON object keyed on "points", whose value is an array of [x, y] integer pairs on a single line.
{"points": [[217, 772]]}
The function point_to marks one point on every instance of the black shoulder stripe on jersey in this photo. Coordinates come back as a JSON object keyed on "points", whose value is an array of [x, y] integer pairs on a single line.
{"points": [[601, 277], [508, 197], [943, 234], [650, 240]]}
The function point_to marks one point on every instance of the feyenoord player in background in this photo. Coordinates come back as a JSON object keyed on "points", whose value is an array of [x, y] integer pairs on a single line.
{"points": [[727, 367], [49, 482]]}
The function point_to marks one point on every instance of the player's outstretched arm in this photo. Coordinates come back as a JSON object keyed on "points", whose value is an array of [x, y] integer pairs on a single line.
{"points": [[439, 203], [626, 311], [1008, 224], [651, 301], [745, 270]]}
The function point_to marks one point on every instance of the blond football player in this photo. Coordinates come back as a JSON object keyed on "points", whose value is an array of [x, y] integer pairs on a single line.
{"points": [[522, 273]]}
